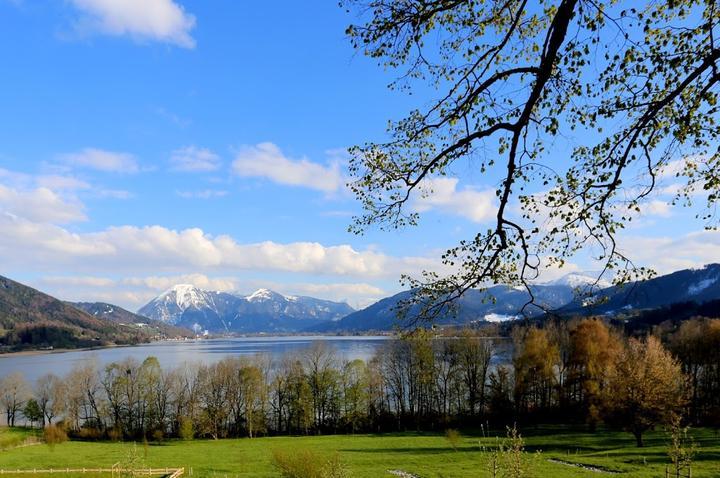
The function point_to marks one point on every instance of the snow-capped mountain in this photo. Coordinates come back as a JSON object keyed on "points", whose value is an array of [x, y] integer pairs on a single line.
{"points": [[570, 295], [264, 295], [261, 311], [171, 304], [582, 280]]}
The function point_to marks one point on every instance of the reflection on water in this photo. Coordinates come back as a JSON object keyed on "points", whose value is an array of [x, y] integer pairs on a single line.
{"points": [[171, 354]]}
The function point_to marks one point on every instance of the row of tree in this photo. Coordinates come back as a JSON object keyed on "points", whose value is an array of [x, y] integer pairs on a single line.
{"points": [[576, 371]]}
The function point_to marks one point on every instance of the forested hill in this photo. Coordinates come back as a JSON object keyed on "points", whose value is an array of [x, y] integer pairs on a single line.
{"points": [[30, 319], [497, 304], [114, 313], [574, 295], [683, 286]]}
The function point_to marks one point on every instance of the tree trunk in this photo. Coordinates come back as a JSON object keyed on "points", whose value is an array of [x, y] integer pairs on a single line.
{"points": [[638, 438]]}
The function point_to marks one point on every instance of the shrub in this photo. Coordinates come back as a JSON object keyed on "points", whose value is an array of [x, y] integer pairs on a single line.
{"points": [[508, 459], [115, 434], [453, 437], [54, 435], [682, 449], [308, 464], [132, 462], [186, 430], [89, 433]]}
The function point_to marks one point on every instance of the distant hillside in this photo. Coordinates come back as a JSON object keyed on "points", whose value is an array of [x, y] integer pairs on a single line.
{"points": [[668, 317], [30, 319], [688, 285], [119, 315], [497, 304], [688, 288]]}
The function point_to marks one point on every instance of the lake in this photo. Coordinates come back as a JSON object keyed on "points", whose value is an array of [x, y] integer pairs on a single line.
{"points": [[174, 353]]}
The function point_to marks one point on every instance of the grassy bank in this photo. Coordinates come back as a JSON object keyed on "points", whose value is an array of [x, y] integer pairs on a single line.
{"points": [[14, 437], [425, 455]]}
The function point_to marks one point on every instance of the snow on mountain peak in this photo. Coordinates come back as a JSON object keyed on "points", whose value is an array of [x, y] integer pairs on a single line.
{"points": [[580, 279], [700, 286], [497, 318], [264, 309], [184, 296], [260, 295], [178, 289]]}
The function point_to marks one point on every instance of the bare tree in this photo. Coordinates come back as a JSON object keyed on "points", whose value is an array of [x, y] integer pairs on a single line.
{"points": [[84, 394], [474, 356], [50, 393], [320, 360], [14, 391]]}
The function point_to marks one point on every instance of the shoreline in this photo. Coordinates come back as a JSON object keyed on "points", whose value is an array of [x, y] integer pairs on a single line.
{"points": [[32, 352], [21, 353]]}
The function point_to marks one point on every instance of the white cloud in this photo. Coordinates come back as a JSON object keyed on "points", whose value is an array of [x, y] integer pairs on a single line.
{"points": [[443, 194], [13, 177], [95, 289], [61, 183], [550, 271], [40, 205], [194, 159], [656, 207], [358, 295], [675, 168], [158, 20], [134, 292], [84, 281], [668, 254], [204, 194], [155, 248], [266, 160], [162, 283], [101, 160], [56, 182]]}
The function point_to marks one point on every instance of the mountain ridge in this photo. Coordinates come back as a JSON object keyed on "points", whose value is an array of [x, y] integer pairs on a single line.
{"points": [[575, 294], [497, 303], [123, 316], [687, 285], [261, 311]]}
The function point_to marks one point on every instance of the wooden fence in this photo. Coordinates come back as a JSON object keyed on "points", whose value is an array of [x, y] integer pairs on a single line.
{"points": [[168, 472]]}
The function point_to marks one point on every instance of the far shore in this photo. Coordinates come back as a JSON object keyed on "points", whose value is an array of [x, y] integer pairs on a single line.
{"points": [[45, 351], [20, 353]]}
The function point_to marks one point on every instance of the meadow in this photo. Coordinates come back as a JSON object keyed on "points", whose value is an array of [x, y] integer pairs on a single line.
{"points": [[551, 451]]}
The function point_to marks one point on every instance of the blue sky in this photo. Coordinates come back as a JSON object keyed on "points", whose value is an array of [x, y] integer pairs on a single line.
{"points": [[149, 142]]}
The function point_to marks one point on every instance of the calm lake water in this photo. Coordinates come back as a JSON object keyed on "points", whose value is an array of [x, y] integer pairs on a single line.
{"points": [[171, 354]]}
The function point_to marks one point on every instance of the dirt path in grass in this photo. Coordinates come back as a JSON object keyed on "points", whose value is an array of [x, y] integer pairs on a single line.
{"points": [[23, 445], [596, 469], [402, 474]]}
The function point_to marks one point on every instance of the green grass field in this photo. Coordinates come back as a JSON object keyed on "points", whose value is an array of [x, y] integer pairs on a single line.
{"points": [[424, 455]]}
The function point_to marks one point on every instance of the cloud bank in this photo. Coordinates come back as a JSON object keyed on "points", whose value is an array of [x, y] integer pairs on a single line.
{"points": [[266, 160], [101, 160], [145, 20]]}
